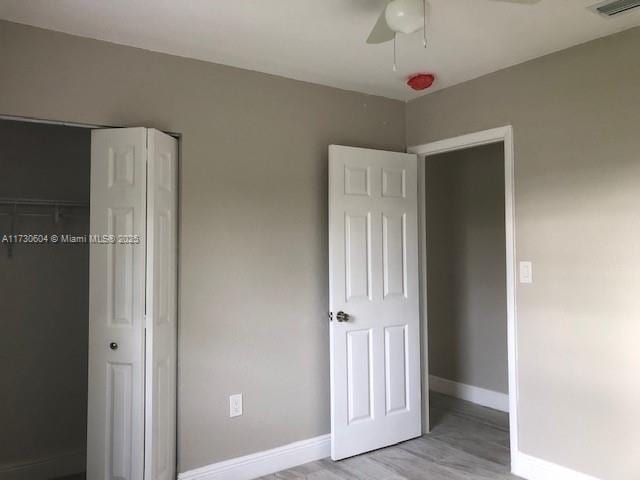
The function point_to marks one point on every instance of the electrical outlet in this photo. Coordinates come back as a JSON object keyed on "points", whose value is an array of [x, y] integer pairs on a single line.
{"points": [[235, 405]]}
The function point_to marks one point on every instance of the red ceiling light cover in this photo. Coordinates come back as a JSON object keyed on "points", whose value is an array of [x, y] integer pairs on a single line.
{"points": [[421, 81]]}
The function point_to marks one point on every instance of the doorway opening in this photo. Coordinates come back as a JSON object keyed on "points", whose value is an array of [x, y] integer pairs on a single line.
{"points": [[468, 283], [44, 192], [466, 278]]}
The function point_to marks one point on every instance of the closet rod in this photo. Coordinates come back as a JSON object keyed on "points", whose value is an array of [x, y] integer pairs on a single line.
{"points": [[36, 202], [48, 215]]}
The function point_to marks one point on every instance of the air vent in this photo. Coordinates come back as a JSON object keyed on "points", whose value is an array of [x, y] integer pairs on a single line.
{"points": [[611, 8]]}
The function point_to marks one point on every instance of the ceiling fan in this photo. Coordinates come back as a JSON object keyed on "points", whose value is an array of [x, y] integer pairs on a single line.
{"points": [[408, 16]]}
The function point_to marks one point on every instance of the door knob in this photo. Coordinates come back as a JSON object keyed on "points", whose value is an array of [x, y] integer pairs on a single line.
{"points": [[342, 317], [113, 346]]}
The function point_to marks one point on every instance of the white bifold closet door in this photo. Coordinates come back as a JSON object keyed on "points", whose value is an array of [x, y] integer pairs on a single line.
{"points": [[373, 274], [131, 430], [162, 308]]}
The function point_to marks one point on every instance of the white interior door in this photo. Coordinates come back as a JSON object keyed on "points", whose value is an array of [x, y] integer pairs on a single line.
{"points": [[115, 429], [373, 272], [161, 353]]}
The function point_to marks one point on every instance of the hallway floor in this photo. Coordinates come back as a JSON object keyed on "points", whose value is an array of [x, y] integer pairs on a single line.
{"points": [[467, 442]]}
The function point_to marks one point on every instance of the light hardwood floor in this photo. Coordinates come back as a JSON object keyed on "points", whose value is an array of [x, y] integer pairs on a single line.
{"points": [[467, 442]]}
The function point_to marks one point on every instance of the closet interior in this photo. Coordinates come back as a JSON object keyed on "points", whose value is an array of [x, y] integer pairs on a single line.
{"points": [[44, 285]]}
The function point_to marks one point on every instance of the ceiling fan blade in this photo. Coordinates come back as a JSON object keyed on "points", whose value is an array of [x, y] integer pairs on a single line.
{"points": [[522, 2], [381, 32]]}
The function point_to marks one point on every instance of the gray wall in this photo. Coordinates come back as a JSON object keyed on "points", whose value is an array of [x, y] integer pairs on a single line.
{"points": [[253, 230], [575, 116], [44, 292], [466, 276]]}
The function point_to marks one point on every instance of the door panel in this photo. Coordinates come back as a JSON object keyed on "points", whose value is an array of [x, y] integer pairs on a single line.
{"points": [[161, 352], [373, 255], [120, 406], [115, 429], [358, 240], [120, 268], [394, 254], [396, 368], [359, 375]]}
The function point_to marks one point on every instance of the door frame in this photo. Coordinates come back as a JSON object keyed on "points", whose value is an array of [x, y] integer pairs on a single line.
{"points": [[485, 137], [178, 137]]}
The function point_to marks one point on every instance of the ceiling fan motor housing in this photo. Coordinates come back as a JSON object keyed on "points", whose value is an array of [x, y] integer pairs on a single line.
{"points": [[405, 16]]}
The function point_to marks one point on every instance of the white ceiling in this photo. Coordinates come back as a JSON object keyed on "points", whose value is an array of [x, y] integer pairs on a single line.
{"points": [[323, 41]]}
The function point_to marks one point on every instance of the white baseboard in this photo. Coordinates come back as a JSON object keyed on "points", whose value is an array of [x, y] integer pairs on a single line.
{"points": [[264, 463], [54, 466], [481, 396], [532, 468]]}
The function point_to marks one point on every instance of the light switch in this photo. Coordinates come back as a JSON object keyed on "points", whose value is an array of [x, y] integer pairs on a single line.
{"points": [[235, 405], [526, 272]]}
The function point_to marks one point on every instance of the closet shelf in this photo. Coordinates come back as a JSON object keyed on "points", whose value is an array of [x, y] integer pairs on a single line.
{"points": [[38, 202], [29, 207]]}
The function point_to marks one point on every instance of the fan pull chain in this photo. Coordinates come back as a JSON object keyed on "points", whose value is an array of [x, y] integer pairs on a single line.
{"points": [[395, 52], [424, 28]]}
